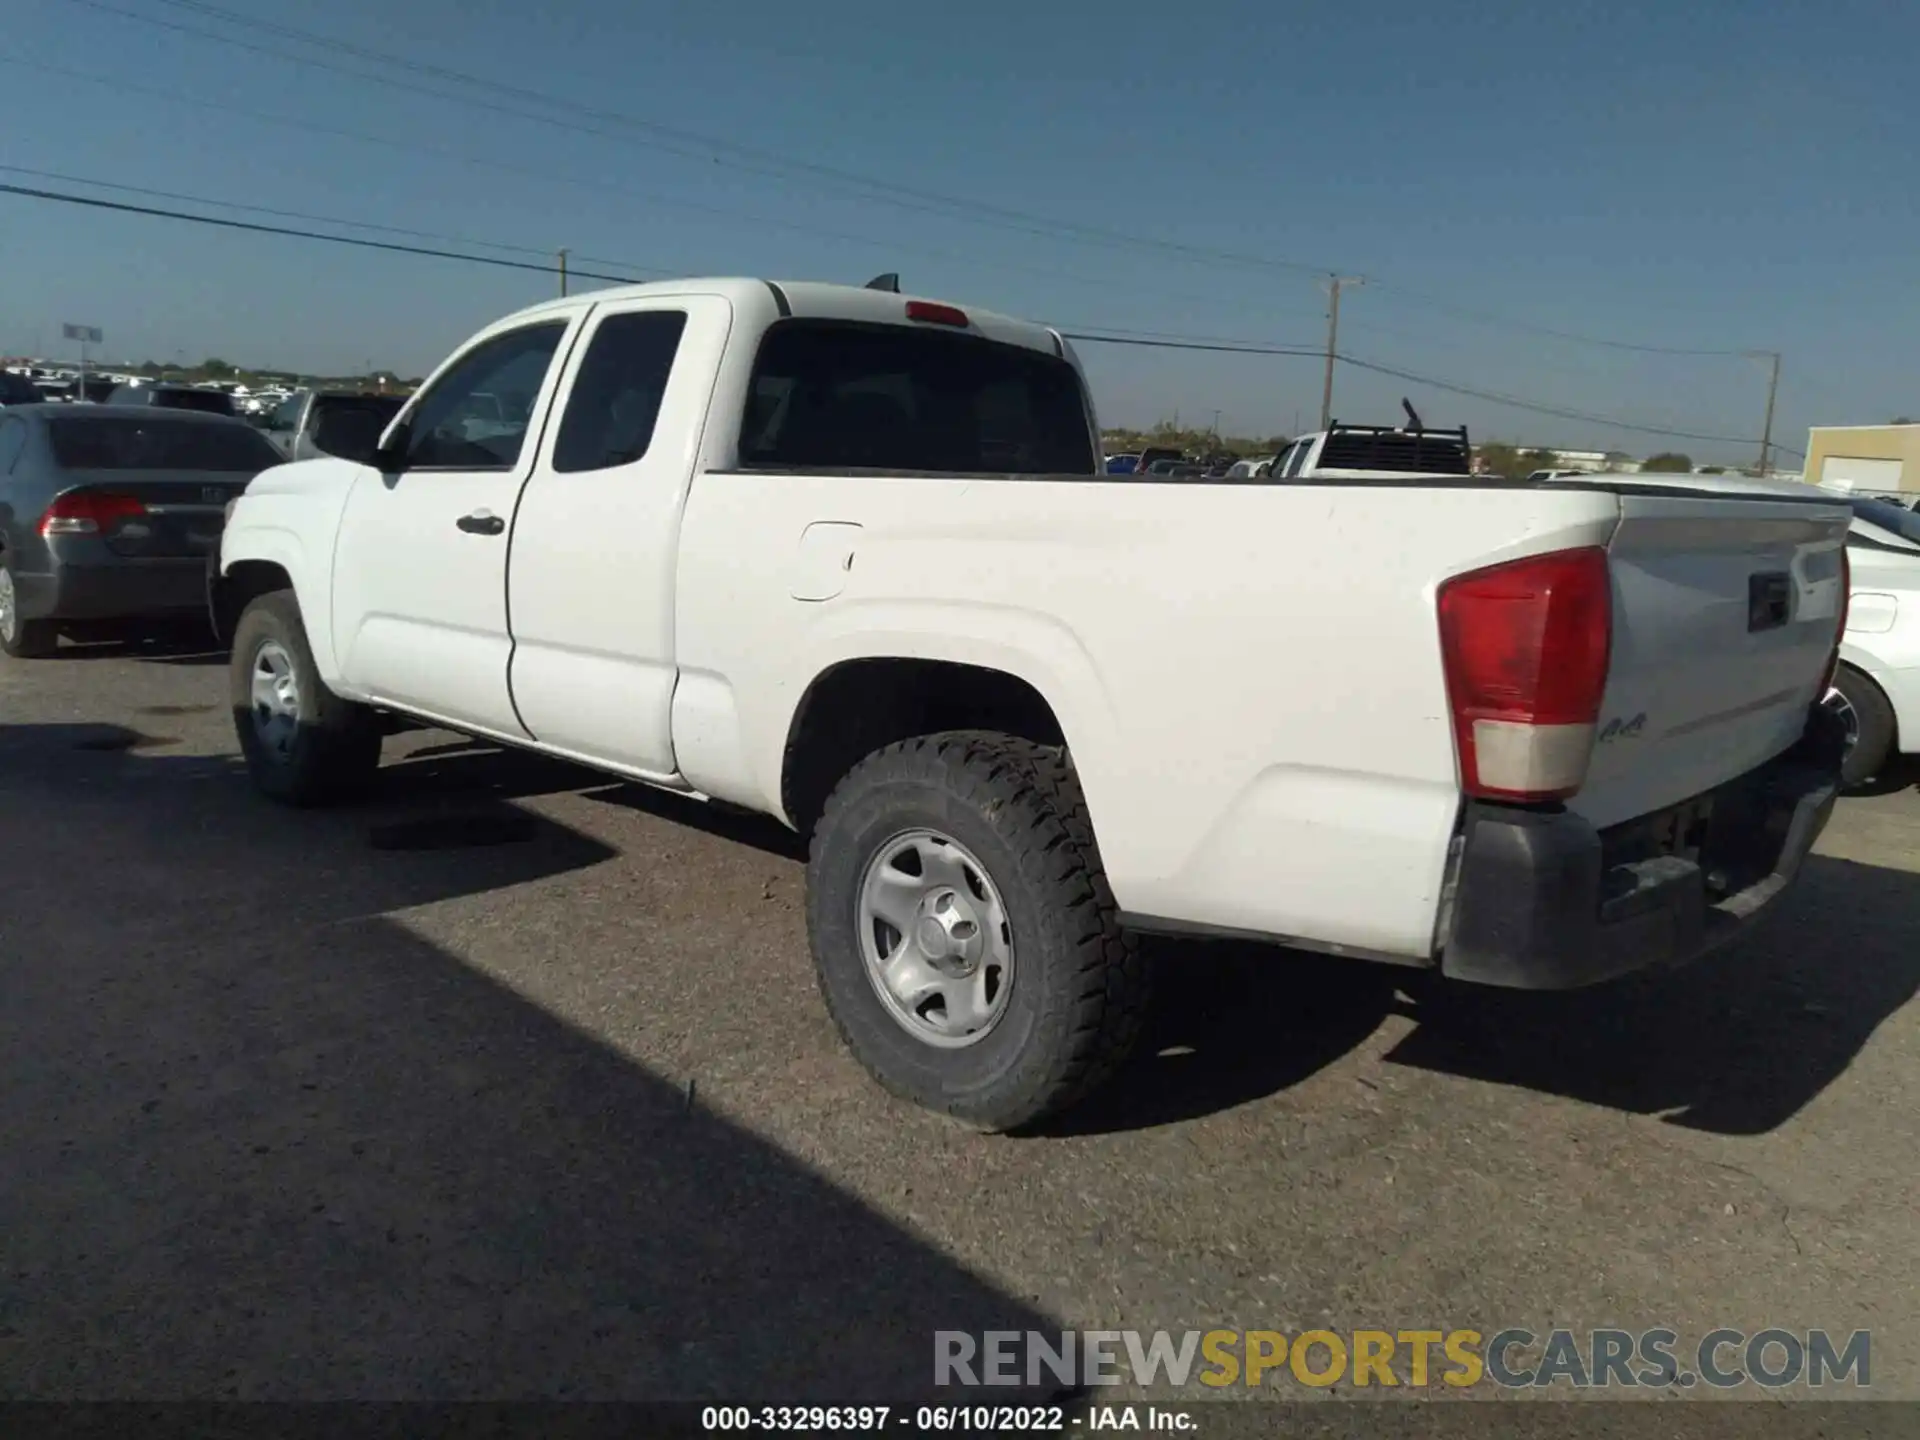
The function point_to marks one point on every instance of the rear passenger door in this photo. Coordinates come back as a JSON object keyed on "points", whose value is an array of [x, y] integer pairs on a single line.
{"points": [[590, 586]]}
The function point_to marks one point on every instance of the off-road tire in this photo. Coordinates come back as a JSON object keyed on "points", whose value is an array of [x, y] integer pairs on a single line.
{"points": [[336, 748], [1079, 985]]}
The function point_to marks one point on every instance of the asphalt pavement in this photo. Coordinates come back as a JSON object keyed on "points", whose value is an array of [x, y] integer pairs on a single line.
{"points": [[512, 1082]]}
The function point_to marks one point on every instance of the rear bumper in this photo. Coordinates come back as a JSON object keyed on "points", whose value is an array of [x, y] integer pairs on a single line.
{"points": [[121, 591], [1543, 901]]}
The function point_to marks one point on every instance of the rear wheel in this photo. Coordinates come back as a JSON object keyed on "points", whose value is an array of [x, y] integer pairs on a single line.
{"points": [[23, 639], [965, 938], [1864, 710], [303, 744]]}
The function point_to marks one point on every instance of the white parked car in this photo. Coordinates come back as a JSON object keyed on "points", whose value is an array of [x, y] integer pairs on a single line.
{"points": [[848, 558], [1877, 688]]}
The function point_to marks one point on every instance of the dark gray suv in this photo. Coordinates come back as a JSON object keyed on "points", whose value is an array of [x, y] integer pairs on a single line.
{"points": [[344, 423]]}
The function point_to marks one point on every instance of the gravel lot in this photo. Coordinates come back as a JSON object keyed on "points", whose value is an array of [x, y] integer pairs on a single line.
{"points": [[513, 1082]]}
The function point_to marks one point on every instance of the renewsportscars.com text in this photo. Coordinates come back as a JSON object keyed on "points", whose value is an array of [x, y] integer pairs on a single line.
{"points": [[1511, 1359]]}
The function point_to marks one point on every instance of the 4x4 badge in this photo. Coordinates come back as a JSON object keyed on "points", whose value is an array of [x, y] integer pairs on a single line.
{"points": [[1618, 729]]}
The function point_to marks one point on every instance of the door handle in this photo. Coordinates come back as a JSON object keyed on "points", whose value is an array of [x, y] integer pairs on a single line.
{"points": [[481, 522]]}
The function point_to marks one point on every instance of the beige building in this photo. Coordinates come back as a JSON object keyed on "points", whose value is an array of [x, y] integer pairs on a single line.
{"points": [[1870, 457]]}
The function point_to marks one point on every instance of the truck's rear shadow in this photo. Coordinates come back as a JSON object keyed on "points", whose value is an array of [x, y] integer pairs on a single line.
{"points": [[263, 1141], [1737, 1043]]}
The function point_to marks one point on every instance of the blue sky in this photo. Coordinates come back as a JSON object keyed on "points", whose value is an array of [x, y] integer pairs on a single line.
{"points": [[1721, 176]]}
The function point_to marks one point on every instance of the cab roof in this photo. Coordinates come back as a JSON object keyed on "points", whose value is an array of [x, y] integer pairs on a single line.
{"points": [[813, 300]]}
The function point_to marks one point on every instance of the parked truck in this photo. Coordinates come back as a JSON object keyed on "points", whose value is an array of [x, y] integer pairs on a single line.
{"points": [[848, 558]]}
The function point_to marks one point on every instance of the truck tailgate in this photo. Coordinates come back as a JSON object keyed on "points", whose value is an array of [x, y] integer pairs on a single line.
{"points": [[1725, 611]]}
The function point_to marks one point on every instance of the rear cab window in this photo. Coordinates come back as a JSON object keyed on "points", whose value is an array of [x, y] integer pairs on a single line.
{"points": [[119, 442], [208, 402], [846, 395]]}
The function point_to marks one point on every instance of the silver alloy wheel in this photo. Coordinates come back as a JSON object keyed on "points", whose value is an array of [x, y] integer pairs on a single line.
{"points": [[9, 618], [1849, 717], [276, 699], [935, 938]]}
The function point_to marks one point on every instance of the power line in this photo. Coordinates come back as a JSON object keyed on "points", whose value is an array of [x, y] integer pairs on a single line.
{"points": [[1491, 396], [687, 143], [1515, 402], [881, 188], [1084, 336], [734, 154], [693, 144], [1223, 347], [226, 224], [1483, 317], [281, 214], [600, 186]]}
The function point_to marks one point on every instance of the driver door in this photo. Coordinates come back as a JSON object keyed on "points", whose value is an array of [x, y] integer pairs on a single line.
{"points": [[420, 568]]}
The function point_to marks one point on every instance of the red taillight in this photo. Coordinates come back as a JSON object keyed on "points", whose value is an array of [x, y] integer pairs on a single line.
{"points": [[88, 512], [1840, 634], [936, 314], [1526, 646]]}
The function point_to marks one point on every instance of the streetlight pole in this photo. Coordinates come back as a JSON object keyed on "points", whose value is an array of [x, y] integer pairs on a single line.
{"points": [[1333, 342], [1773, 388], [563, 272]]}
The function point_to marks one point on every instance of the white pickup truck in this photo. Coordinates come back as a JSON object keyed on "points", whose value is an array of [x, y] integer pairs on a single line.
{"points": [[845, 557]]}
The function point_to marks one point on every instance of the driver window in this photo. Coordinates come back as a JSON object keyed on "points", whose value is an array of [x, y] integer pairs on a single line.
{"points": [[475, 417]]}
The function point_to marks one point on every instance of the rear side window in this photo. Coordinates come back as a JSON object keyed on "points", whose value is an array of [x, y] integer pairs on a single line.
{"points": [[116, 442], [617, 391], [836, 395], [208, 402], [1411, 452]]}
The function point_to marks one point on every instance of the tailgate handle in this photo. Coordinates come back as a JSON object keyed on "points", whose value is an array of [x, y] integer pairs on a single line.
{"points": [[1769, 600]]}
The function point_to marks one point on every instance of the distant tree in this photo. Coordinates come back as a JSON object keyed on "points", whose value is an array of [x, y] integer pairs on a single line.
{"points": [[216, 368], [1531, 460], [1903, 420], [1713, 469], [1669, 463]]}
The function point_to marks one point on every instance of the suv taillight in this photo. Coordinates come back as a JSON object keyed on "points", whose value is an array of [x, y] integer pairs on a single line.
{"points": [[88, 512], [1526, 646]]}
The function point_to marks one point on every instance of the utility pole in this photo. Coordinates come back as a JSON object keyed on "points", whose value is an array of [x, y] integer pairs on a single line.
{"points": [[1216, 424], [563, 272], [1333, 341], [1773, 387]]}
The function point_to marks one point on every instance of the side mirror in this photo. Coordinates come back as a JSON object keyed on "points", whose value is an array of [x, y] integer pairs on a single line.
{"points": [[390, 455]]}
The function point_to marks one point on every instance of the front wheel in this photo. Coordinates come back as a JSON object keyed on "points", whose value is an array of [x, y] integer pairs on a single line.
{"points": [[303, 744], [965, 938]]}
